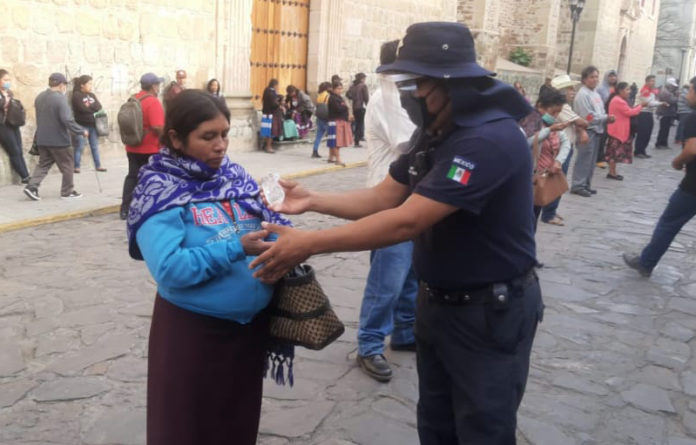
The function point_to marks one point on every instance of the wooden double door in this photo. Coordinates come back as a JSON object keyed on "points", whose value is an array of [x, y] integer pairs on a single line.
{"points": [[279, 45]]}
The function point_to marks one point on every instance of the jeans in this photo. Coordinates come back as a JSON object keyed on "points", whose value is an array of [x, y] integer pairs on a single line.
{"points": [[93, 145], [679, 137], [549, 212], [646, 122], [322, 128], [473, 363], [135, 161], [11, 141], [663, 134], [680, 209], [389, 304], [585, 159]]}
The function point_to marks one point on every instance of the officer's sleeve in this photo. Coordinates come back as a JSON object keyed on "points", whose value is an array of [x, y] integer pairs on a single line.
{"points": [[399, 170], [468, 176]]}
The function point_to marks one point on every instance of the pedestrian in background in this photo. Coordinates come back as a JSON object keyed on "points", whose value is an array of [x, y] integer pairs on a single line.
{"points": [[682, 204], [589, 105], [667, 112], [84, 105], [299, 108], [389, 302], [196, 221], [153, 125], [54, 123], [10, 138], [683, 111], [359, 96], [340, 133], [575, 133], [646, 119], [175, 87], [322, 114], [213, 87], [272, 116], [619, 140], [605, 90], [548, 142]]}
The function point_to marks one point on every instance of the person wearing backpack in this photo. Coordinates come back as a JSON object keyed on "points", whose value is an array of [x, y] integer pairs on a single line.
{"points": [[322, 113], [145, 125], [10, 139]]}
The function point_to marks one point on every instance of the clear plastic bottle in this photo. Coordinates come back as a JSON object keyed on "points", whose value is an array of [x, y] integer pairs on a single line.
{"points": [[272, 189]]}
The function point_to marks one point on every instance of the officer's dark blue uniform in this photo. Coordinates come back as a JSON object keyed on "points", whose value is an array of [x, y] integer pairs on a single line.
{"points": [[479, 301]]}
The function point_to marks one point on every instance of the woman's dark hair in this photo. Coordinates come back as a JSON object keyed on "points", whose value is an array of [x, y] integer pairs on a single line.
{"points": [[324, 86], [692, 82], [587, 72], [619, 87], [551, 97], [272, 83], [335, 85], [79, 81], [208, 87], [187, 111], [649, 78], [290, 89], [3, 72], [359, 78]]}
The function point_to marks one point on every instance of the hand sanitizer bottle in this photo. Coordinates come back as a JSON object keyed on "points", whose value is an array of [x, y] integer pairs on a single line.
{"points": [[272, 189]]}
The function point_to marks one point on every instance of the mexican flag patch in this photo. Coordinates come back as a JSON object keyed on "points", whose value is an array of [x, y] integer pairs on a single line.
{"points": [[461, 170]]}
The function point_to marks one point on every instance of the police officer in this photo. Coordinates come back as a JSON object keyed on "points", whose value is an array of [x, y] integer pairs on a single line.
{"points": [[463, 194]]}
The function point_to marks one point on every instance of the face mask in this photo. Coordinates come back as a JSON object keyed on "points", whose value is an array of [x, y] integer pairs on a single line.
{"points": [[548, 119], [6, 85], [417, 111]]}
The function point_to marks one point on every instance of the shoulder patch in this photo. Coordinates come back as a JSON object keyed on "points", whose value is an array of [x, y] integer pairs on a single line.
{"points": [[461, 170]]}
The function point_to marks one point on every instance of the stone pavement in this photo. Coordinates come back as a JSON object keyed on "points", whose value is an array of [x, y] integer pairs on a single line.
{"points": [[613, 363], [102, 191]]}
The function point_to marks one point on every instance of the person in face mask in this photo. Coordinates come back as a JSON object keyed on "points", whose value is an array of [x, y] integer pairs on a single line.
{"points": [[10, 138], [54, 123], [463, 193], [546, 137], [389, 302]]}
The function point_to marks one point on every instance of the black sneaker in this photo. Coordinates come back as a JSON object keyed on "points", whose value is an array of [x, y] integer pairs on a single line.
{"points": [[634, 263], [72, 195], [32, 193], [592, 191], [26, 180], [581, 192], [375, 366], [408, 347], [316, 155]]}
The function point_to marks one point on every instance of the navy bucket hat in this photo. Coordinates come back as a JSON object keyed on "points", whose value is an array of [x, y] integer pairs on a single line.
{"points": [[441, 50]]}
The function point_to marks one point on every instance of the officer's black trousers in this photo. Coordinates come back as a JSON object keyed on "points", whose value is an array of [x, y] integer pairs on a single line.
{"points": [[473, 362]]}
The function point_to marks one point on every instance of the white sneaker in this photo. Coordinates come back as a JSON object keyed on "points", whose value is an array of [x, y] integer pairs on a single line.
{"points": [[73, 195], [32, 193]]}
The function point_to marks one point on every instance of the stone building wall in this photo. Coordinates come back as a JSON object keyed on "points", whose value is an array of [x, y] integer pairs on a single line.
{"points": [[114, 41], [676, 40]]}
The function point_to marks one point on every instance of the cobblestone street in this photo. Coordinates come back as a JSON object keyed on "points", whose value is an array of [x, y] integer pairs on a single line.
{"points": [[614, 360]]}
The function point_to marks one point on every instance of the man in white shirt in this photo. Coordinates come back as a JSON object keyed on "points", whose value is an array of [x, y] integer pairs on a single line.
{"points": [[389, 303]]}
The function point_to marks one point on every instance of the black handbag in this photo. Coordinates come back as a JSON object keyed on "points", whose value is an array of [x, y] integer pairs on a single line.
{"points": [[16, 116], [301, 313], [34, 150]]}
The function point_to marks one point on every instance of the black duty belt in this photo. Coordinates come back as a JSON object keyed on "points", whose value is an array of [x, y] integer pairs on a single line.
{"points": [[495, 293]]}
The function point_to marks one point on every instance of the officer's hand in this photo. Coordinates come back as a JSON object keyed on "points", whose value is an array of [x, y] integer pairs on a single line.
{"points": [[297, 198], [611, 119], [290, 249], [677, 164]]}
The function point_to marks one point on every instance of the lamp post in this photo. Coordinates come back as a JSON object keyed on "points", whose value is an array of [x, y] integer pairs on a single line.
{"points": [[576, 7]]}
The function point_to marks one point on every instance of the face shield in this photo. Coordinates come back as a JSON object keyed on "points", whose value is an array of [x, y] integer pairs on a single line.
{"points": [[416, 108]]}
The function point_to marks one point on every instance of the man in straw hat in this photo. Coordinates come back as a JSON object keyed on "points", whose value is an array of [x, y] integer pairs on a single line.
{"points": [[463, 193]]}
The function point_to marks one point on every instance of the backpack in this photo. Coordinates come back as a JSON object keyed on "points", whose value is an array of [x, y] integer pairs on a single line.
{"points": [[130, 121], [16, 116]]}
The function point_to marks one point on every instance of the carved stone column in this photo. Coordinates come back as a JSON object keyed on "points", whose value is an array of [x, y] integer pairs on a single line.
{"points": [[324, 51]]}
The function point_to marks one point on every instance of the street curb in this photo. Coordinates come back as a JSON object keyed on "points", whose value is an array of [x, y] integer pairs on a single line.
{"points": [[8, 227]]}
